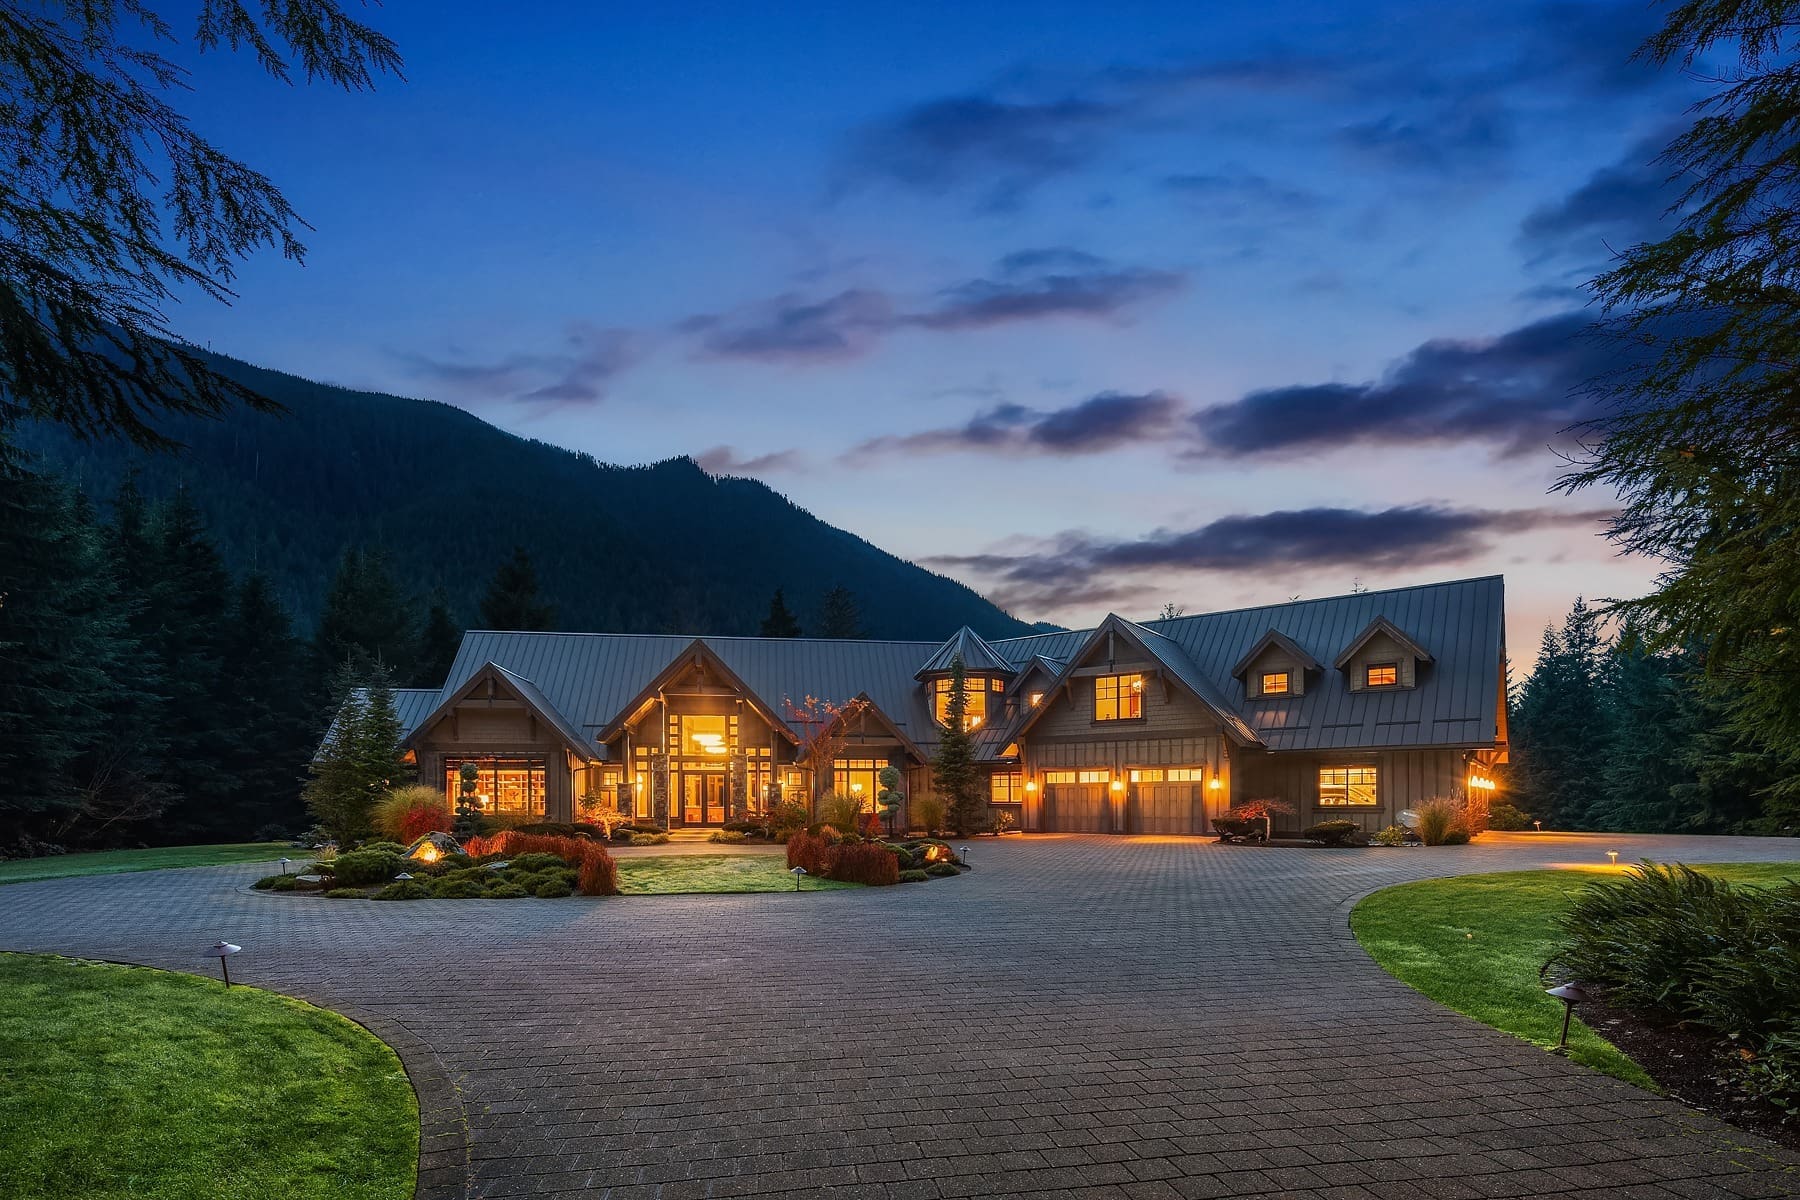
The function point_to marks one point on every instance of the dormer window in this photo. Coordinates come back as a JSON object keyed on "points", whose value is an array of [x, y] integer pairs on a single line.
{"points": [[1382, 675], [1275, 683], [1037, 698], [1118, 697], [975, 697]]}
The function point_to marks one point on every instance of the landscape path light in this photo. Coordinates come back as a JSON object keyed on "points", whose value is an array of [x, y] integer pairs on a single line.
{"points": [[798, 873], [285, 864], [1570, 994], [1614, 856], [222, 951]]}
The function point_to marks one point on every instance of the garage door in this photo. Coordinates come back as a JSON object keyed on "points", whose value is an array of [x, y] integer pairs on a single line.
{"points": [[1168, 808], [1077, 808]]}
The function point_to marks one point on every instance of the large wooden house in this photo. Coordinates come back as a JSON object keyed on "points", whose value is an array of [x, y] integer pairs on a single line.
{"points": [[1356, 706]]}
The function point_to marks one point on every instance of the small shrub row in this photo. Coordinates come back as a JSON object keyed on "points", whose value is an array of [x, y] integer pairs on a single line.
{"points": [[728, 837], [1336, 832], [658, 838], [1507, 819], [850, 860]]}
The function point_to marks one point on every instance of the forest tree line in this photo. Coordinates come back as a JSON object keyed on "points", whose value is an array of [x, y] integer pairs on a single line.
{"points": [[1611, 732], [149, 694]]}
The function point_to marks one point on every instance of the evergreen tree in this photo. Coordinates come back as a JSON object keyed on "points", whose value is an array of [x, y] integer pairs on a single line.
{"points": [[839, 616], [780, 623], [438, 643], [264, 747], [186, 607], [512, 600], [1648, 775], [367, 619], [1559, 726], [953, 773], [51, 678], [359, 758]]}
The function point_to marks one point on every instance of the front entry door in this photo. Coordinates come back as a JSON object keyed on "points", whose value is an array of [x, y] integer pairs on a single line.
{"points": [[703, 798]]}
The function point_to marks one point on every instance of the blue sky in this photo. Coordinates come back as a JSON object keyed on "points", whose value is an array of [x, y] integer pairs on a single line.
{"points": [[1091, 306]]}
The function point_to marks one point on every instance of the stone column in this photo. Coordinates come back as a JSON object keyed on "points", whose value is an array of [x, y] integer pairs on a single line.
{"points": [[659, 789]]}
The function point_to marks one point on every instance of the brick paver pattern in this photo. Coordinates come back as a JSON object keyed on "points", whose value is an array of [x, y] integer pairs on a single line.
{"points": [[1076, 1017]]}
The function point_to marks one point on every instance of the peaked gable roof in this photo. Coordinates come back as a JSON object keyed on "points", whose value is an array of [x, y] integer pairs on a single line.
{"points": [[1381, 625], [1166, 653], [528, 693], [976, 654], [1281, 641]]}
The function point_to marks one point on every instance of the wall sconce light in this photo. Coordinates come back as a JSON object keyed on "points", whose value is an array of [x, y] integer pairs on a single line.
{"points": [[221, 951], [1118, 785], [1215, 783], [1031, 786]]}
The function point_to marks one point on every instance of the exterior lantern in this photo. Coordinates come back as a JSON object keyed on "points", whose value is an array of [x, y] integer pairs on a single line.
{"points": [[221, 951], [1215, 783], [1031, 786], [1118, 785], [1570, 994]]}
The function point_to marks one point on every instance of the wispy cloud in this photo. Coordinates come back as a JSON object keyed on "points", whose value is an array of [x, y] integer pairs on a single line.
{"points": [[575, 373], [1101, 422], [1028, 285], [726, 460]]}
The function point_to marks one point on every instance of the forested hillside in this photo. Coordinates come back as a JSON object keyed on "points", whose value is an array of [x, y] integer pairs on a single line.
{"points": [[663, 548]]}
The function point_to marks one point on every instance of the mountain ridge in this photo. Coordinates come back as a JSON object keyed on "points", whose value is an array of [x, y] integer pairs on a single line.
{"points": [[660, 547]]}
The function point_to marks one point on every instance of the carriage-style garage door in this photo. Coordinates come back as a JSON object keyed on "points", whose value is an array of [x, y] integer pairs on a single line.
{"points": [[1076, 802], [1168, 800]]}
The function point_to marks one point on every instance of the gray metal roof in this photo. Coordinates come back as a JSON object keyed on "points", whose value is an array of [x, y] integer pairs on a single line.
{"points": [[590, 677], [411, 706], [975, 653]]}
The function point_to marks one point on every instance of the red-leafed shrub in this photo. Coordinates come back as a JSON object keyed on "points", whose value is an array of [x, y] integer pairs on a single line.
{"points": [[807, 850], [598, 873], [512, 842], [862, 862], [421, 819]]}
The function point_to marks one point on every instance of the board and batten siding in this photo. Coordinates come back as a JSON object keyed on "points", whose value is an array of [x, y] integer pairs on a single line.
{"points": [[1404, 779]]}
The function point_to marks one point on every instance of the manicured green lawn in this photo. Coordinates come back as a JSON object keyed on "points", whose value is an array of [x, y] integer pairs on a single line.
{"points": [[123, 1082], [664, 875], [1475, 943], [108, 862]]}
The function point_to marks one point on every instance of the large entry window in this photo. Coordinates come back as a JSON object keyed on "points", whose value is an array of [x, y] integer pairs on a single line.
{"points": [[513, 786], [708, 736], [1347, 787], [858, 777]]}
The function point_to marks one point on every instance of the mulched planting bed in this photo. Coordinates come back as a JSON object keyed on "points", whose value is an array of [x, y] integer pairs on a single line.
{"points": [[1690, 1064]]}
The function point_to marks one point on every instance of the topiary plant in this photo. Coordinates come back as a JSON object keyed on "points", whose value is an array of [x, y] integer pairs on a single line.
{"points": [[404, 889], [913, 877], [554, 889]]}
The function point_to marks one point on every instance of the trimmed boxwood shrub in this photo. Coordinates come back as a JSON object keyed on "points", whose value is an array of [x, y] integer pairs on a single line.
{"points": [[538, 862], [404, 889], [457, 889], [941, 869], [507, 891], [1506, 818], [553, 889], [659, 838], [1456, 835], [362, 867], [275, 883], [1336, 832], [913, 877], [347, 894], [729, 837]]}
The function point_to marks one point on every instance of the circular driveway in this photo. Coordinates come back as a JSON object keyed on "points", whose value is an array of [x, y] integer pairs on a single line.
{"points": [[1078, 1016]]}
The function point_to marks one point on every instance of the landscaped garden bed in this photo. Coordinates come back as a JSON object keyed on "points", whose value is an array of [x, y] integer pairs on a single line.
{"points": [[127, 1082], [513, 865], [1480, 944]]}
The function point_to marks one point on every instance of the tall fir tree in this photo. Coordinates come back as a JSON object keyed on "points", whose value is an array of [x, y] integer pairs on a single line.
{"points": [[1560, 727], [512, 600], [839, 616], [359, 758], [53, 678], [439, 641], [273, 730], [781, 622], [1647, 778], [367, 618], [953, 774]]}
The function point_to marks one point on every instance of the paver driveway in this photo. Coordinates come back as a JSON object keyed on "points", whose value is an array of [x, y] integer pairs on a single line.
{"points": [[1078, 1016]]}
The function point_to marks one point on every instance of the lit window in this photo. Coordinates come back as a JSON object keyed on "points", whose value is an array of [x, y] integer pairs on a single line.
{"points": [[1005, 788], [1382, 675], [1347, 787], [1037, 698], [1275, 683], [858, 777], [1146, 775], [705, 735], [1118, 697], [1092, 776], [1059, 777], [997, 685], [502, 785], [974, 701]]}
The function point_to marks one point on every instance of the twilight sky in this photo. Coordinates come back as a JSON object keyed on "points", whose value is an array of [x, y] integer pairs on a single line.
{"points": [[1091, 306]]}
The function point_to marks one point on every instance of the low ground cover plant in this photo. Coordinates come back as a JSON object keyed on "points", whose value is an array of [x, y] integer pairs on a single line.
{"points": [[1338, 832], [1670, 941], [856, 859], [507, 865]]}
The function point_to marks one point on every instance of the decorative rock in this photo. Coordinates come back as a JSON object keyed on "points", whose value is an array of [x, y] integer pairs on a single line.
{"points": [[431, 847]]}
